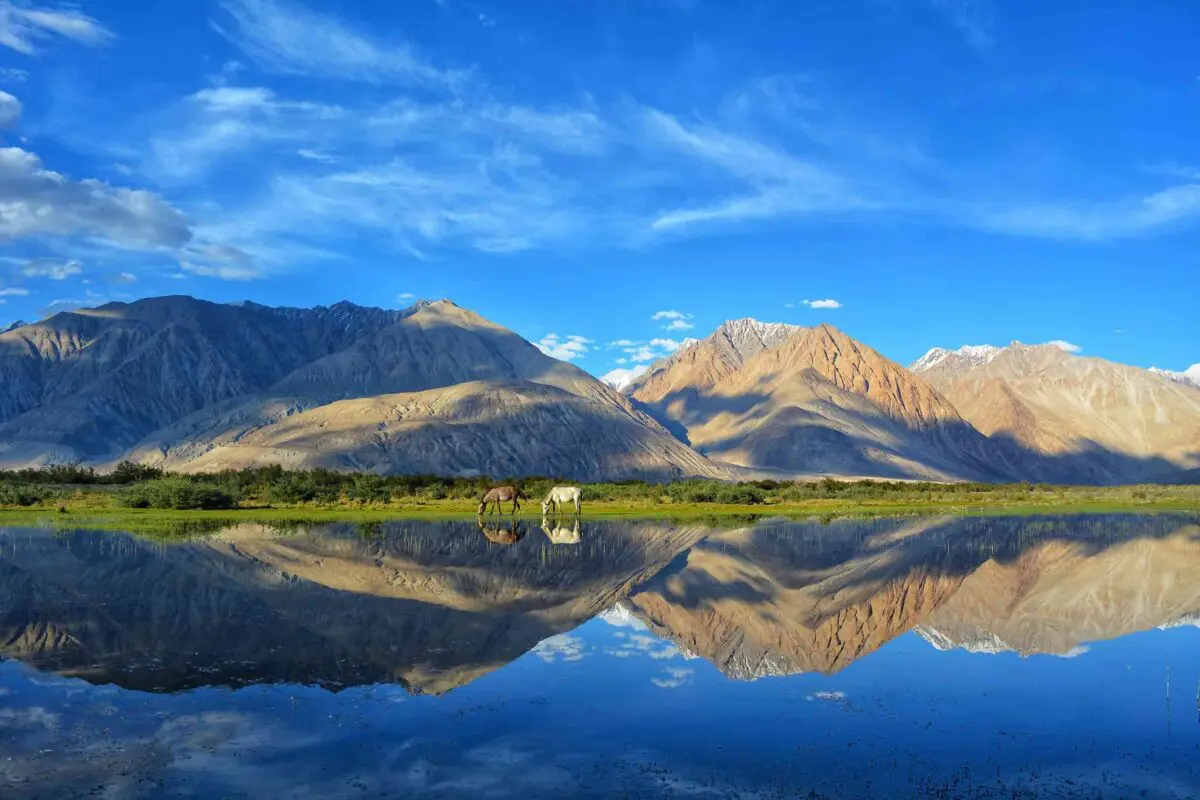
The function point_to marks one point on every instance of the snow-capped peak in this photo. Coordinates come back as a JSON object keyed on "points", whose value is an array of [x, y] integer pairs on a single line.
{"points": [[1190, 376], [621, 377], [975, 354]]}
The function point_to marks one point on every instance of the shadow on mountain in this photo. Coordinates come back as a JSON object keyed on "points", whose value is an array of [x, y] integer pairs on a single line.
{"points": [[805, 441]]}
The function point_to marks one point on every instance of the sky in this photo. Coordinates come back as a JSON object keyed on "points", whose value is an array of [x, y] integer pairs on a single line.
{"points": [[610, 177]]}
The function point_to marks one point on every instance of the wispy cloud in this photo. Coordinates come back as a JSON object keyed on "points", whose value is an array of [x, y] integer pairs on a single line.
{"points": [[23, 26], [290, 39], [673, 677], [13, 75], [827, 303], [564, 348], [405, 298], [53, 268], [1097, 221], [14, 291], [1063, 345]]}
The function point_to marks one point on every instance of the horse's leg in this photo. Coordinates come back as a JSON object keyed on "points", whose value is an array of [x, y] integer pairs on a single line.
{"points": [[578, 506]]}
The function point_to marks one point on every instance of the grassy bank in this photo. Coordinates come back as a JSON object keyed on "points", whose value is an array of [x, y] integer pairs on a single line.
{"points": [[134, 496], [101, 509]]}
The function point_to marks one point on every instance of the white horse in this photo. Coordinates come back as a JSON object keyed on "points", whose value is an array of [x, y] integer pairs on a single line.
{"points": [[561, 495], [560, 534]]}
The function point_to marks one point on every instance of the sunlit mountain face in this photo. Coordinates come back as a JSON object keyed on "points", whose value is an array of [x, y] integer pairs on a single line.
{"points": [[541, 658]]}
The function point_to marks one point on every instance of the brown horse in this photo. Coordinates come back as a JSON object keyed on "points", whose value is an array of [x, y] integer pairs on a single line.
{"points": [[500, 495], [498, 535]]}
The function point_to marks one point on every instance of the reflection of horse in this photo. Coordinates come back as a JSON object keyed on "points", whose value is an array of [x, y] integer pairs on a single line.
{"points": [[499, 495], [560, 534], [498, 535], [559, 496]]}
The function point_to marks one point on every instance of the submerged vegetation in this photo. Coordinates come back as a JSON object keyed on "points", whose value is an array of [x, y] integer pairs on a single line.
{"points": [[133, 488]]}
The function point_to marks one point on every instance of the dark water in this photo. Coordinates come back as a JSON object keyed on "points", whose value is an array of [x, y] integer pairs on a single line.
{"points": [[936, 657]]}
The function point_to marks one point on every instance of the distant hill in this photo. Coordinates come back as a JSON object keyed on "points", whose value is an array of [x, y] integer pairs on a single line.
{"points": [[1089, 420]]}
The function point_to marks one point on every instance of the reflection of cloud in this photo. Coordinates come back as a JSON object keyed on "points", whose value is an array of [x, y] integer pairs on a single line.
{"points": [[829, 697], [676, 677], [563, 647], [32, 717], [642, 644], [1075, 651]]}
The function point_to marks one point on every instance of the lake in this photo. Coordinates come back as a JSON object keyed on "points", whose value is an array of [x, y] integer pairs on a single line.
{"points": [[931, 657]]}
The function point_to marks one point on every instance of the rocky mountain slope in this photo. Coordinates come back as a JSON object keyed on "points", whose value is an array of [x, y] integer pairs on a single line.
{"points": [[434, 388], [1071, 418], [809, 401]]}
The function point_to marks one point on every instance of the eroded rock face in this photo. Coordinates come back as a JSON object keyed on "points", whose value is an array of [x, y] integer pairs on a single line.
{"points": [[1072, 418], [434, 388]]}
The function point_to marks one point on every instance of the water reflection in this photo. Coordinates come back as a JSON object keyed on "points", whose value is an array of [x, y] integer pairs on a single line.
{"points": [[1027, 649], [432, 605]]}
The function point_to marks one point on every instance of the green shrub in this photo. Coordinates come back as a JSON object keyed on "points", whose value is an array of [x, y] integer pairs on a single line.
{"points": [[176, 493], [22, 494], [368, 489]]}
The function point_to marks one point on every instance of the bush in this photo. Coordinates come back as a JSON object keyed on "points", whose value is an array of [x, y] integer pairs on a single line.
{"points": [[21, 494], [368, 489], [292, 487], [128, 472], [180, 494]]}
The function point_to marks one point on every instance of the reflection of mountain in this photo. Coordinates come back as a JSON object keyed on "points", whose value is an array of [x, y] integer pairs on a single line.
{"points": [[786, 598], [428, 605], [436, 605]]}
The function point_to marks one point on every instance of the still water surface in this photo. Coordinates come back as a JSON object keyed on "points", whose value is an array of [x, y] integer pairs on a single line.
{"points": [[934, 657]]}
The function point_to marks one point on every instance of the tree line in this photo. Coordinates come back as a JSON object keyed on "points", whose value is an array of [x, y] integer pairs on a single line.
{"points": [[141, 486]]}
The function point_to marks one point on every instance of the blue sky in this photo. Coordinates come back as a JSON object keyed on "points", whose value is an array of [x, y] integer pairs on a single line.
{"points": [[944, 171]]}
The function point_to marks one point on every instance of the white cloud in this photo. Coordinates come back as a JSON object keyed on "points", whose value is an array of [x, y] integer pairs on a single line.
{"points": [[11, 75], [24, 25], [316, 155], [52, 268], [829, 303], [1067, 346], [675, 320], [621, 343], [286, 38], [405, 297], [831, 697], [621, 377], [36, 201], [123, 277], [10, 110], [14, 291], [564, 348], [647, 351]]}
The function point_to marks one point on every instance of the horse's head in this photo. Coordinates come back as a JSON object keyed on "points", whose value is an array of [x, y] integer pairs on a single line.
{"points": [[545, 507]]}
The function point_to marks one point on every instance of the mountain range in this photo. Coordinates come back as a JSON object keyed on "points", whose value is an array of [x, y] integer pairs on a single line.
{"points": [[435, 388]]}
